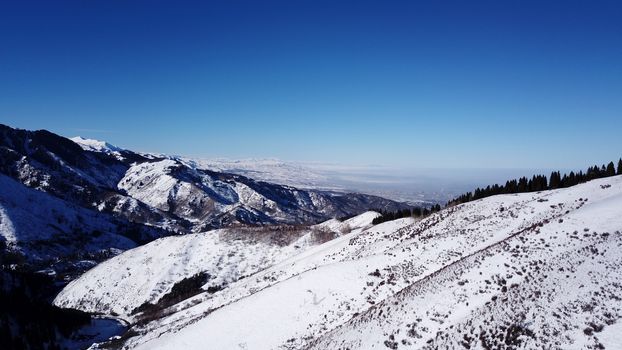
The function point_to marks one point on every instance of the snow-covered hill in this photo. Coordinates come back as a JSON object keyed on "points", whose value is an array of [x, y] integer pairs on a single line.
{"points": [[554, 281], [146, 273], [210, 199], [97, 146], [164, 192], [53, 164], [510, 271], [43, 227]]}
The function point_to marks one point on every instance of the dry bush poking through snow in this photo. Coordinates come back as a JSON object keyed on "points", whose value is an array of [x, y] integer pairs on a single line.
{"points": [[322, 234]]}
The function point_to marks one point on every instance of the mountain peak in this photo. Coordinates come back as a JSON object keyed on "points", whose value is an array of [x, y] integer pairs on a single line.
{"points": [[95, 145]]}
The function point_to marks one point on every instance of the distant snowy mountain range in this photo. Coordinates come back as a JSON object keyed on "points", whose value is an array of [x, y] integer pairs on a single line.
{"points": [[85, 190], [96, 145], [400, 183], [386, 182]]}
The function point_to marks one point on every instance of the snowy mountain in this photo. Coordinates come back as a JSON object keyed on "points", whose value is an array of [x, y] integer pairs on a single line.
{"points": [[45, 228], [96, 145], [210, 199], [419, 186], [413, 186], [163, 192], [509, 271], [227, 255], [53, 164]]}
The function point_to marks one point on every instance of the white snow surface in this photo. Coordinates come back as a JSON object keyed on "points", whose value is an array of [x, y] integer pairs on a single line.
{"points": [[151, 183], [204, 197], [96, 145], [146, 273], [519, 271], [42, 226]]}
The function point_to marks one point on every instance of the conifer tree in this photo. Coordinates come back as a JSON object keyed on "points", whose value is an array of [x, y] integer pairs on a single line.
{"points": [[572, 179], [538, 183], [611, 170], [555, 180], [417, 211], [581, 177]]}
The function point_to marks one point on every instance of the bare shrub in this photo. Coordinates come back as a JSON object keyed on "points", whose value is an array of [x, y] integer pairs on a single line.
{"points": [[345, 229], [321, 235]]}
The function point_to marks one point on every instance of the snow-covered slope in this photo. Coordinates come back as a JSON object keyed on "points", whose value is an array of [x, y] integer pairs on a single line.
{"points": [[96, 145], [60, 167], [43, 227], [552, 282], [212, 200], [510, 271], [163, 194], [146, 273]]}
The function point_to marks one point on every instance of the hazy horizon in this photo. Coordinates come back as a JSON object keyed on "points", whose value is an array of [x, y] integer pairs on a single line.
{"points": [[402, 183]]}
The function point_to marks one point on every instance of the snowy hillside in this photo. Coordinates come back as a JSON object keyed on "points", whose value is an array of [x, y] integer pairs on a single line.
{"points": [[163, 194], [209, 199], [552, 281], [96, 145], [43, 227], [146, 273], [197, 196], [512, 271], [58, 166]]}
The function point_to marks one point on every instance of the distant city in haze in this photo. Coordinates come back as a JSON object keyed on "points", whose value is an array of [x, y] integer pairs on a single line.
{"points": [[406, 85]]}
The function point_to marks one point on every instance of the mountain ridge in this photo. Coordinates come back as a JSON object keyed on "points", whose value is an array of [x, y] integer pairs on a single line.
{"points": [[425, 284], [158, 196], [36, 158]]}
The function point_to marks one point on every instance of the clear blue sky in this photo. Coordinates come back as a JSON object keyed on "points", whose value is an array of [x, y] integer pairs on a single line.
{"points": [[503, 84]]}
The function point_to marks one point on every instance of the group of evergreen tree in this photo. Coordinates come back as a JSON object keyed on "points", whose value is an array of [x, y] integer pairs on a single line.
{"points": [[27, 319], [417, 212], [524, 184], [541, 183], [181, 290]]}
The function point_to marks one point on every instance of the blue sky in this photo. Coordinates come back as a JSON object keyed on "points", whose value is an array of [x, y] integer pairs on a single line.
{"points": [[469, 84]]}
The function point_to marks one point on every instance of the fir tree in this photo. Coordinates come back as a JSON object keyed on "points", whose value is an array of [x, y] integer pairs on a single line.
{"points": [[537, 183], [555, 180], [572, 179], [611, 170], [523, 185]]}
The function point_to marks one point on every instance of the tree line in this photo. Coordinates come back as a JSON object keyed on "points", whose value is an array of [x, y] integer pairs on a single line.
{"points": [[534, 184], [417, 212], [541, 183]]}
